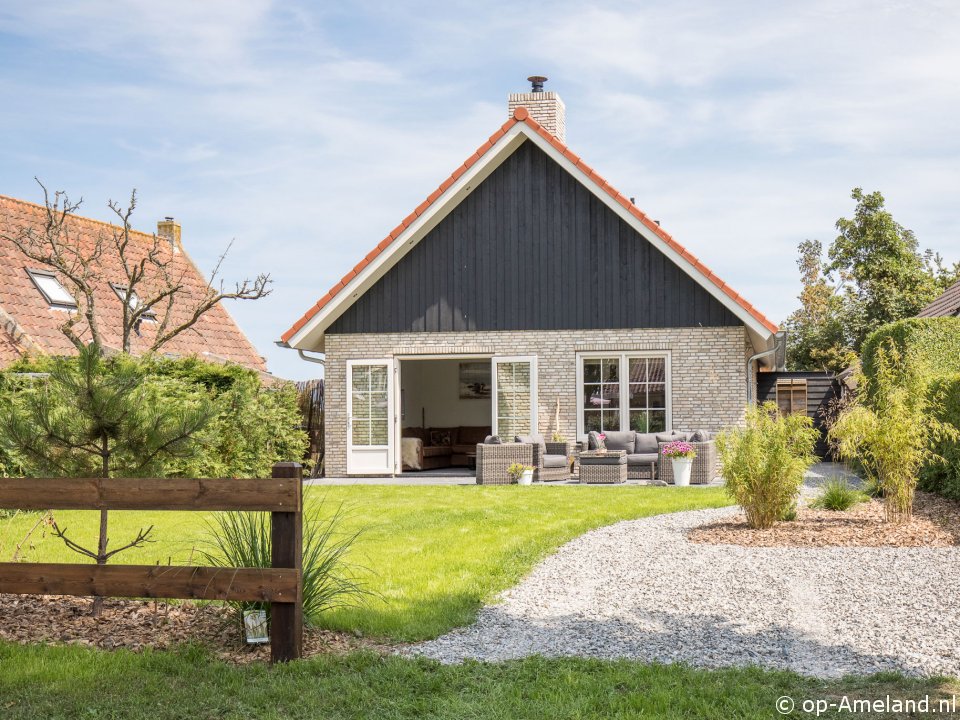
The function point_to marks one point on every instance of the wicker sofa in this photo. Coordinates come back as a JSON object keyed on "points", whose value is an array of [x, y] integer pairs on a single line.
{"points": [[644, 458], [493, 459], [550, 460]]}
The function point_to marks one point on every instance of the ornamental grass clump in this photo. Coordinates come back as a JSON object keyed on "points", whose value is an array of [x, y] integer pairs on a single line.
{"points": [[891, 431], [838, 495], [243, 539], [764, 462]]}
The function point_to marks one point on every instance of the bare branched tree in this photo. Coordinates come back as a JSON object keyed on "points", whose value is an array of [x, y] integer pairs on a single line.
{"points": [[154, 285]]}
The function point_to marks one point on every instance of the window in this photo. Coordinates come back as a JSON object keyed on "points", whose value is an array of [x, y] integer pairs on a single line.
{"points": [[792, 396], [369, 403], [51, 289], [624, 391], [121, 292]]}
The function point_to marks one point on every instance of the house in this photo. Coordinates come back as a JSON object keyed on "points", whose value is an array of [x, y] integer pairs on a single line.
{"points": [[947, 305], [35, 302], [527, 294]]}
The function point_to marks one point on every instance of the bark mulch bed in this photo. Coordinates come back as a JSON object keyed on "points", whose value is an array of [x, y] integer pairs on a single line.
{"points": [[935, 523], [138, 624]]}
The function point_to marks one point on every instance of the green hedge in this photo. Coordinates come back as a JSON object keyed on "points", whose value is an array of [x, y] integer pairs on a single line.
{"points": [[934, 342], [256, 425], [944, 478]]}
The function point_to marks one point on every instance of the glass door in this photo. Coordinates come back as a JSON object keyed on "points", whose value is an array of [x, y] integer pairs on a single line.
{"points": [[370, 417], [514, 396]]}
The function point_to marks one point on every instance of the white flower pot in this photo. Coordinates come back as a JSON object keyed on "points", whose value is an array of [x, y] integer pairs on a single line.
{"points": [[526, 477], [681, 470]]}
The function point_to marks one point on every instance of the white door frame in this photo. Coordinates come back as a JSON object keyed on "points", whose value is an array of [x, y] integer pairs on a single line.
{"points": [[534, 390], [379, 458]]}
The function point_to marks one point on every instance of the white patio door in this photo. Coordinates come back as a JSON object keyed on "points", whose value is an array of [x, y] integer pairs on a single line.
{"points": [[514, 396], [370, 417]]}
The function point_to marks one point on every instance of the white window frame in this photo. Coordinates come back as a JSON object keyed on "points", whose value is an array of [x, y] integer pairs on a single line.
{"points": [[389, 449], [34, 274], [624, 358], [534, 390], [121, 291]]}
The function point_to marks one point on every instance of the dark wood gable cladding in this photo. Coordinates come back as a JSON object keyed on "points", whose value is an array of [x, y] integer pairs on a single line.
{"points": [[532, 249]]}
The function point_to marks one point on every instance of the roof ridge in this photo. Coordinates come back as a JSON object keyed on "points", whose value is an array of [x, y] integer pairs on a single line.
{"points": [[73, 215], [522, 115]]}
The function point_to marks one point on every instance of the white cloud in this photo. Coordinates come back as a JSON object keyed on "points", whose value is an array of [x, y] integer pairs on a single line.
{"points": [[308, 131]]}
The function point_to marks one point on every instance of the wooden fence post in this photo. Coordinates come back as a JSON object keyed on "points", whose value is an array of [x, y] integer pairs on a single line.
{"points": [[286, 619]]}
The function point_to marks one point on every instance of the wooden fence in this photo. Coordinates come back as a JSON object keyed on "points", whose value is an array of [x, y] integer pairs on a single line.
{"points": [[311, 398], [281, 585]]}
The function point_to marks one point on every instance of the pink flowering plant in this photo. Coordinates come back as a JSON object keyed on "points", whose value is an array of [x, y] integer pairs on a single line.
{"points": [[678, 449]]}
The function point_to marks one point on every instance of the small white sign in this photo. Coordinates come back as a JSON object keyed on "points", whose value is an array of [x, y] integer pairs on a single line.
{"points": [[255, 627]]}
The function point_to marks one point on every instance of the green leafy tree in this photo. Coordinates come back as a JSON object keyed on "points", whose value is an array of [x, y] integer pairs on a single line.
{"points": [[885, 277], [815, 331], [874, 274], [92, 417]]}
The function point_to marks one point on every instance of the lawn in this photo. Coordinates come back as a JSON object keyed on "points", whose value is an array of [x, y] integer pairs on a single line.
{"points": [[70, 682], [433, 555]]}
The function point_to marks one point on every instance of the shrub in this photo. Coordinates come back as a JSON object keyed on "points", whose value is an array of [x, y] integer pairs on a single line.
{"points": [[944, 477], [838, 495], [932, 346], [242, 539], [253, 427], [764, 463], [891, 432]]}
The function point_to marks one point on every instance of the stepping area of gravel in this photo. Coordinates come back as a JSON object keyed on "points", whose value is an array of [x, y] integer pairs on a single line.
{"points": [[642, 589]]}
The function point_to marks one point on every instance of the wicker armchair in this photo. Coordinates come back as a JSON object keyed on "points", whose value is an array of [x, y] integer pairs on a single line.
{"points": [[493, 461], [705, 465], [542, 473]]}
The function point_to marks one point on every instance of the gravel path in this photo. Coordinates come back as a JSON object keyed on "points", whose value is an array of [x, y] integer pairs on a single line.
{"points": [[638, 589]]}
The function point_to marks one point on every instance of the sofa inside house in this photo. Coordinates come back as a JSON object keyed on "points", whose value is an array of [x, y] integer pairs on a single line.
{"points": [[431, 448], [643, 453]]}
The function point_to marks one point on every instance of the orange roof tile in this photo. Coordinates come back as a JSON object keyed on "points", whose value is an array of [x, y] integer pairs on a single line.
{"points": [[215, 335], [522, 115]]}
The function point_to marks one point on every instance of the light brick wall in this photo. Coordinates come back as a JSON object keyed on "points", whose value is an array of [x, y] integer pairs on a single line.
{"points": [[708, 369], [545, 107]]}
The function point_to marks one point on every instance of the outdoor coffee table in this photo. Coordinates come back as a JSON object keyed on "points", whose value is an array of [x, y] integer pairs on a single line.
{"points": [[603, 467]]}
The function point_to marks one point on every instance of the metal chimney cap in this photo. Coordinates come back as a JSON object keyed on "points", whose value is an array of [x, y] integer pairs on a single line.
{"points": [[168, 218], [537, 81]]}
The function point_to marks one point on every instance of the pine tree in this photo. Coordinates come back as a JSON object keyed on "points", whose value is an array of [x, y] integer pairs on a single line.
{"points": [[93, 417]]}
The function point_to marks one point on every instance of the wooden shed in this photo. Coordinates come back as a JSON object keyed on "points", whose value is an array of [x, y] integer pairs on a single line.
{"points": [[801, 392]]}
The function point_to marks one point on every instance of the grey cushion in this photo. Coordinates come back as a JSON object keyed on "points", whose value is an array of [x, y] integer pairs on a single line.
{"points": [[492, 440], [700, 436], [533, 440], [603, 459], [621, 440], [554, 461], [593, 442], [673, 436], [646, 443], [642, 458]]}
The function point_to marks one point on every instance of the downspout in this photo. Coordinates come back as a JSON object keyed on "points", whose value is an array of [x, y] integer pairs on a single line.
{"points": [[778, 339], [303, 355]]}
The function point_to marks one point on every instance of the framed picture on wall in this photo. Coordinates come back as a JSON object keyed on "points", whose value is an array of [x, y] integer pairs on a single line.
{"points": [[475, 380]]}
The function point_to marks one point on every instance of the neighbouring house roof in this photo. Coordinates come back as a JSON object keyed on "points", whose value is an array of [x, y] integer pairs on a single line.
{"points": [[947, 305], [30, 325], [307, 332]]}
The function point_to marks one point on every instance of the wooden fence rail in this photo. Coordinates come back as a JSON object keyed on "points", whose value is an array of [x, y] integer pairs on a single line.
{"points": [[280, 585]]}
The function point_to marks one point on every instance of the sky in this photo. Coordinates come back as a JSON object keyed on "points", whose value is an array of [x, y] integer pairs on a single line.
{"points": [[304, 132]]}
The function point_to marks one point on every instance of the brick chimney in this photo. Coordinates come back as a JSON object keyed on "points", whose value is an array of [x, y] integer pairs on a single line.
{"points": [[545, 107], [169, 229]]}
